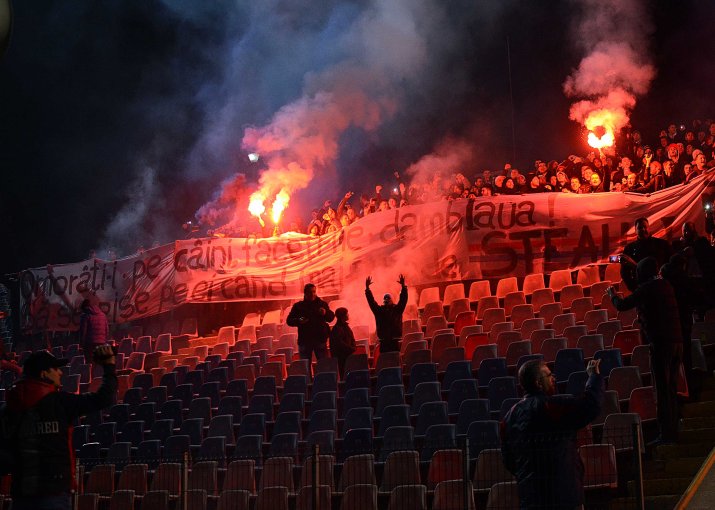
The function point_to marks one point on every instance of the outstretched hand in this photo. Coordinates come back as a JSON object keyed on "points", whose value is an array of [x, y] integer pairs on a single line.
{"points": [[401, 281], [593, 367], [368, 282]]}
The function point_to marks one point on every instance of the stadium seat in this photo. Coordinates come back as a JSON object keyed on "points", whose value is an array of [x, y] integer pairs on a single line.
{"points": [[483, 435], [401, 468], [394, 416], [610, 359], [626, 340], [549, 311], [608, 329], [457, 307], [449, 495], [500, 388], [490, 368], [431, 413], [388, 395], [599, 461], [486, 303], [568, 361], [624, 380], [512, 300], [358, 468], [590, 344], [490, 470], [521, 313], [560, 279], [470, 411], [456, 370], [397, 439], [446, 464]]}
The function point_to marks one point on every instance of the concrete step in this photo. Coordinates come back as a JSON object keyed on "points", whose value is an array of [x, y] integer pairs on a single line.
{"points": [[699, 422], [663, 486], [622, 504], [661, 502], [690, 436], [683, 450], [698, 409], [686, 467], [707, 395]]}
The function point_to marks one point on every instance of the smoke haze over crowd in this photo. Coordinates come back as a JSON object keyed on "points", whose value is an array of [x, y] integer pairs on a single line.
{"points": [[122, 120]]}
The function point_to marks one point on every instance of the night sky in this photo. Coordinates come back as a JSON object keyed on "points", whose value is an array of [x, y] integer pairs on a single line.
{"points": [[119, 120]]}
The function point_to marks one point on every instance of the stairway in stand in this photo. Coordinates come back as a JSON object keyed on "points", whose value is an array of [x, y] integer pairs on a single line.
{"points": [[672, 467]]}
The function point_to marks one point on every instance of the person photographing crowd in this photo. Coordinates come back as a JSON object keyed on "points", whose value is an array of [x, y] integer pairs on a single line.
{"points": [[36, 428], [538, 437]]}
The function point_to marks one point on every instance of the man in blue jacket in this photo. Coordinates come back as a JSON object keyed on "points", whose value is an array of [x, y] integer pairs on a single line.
{"points": [[539, 437]]}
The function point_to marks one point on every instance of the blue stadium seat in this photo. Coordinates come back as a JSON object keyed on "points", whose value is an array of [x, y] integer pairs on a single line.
{"points": [[170, 380], [222, 426], [324, 419], [265, 385], [133, 397], [356, 442], [389, 396], [143, 381], [295, 384], [80, 436], [162, 429], [357, 379], [195, 378], [490, 368], [576, 383], [230, 405], [148, 452], [211, 390], [172, 409], [105, 433], [567, 362], [461, 390], [506, 406], [284, 445], [119, 413], [610, 359], [238, 388], [397, 439], [287, 422], [119, 454], [89, 454], [431, 413], [325, 381], [253, 425], [175, 447], [261, 404], [219, 375], [394, 416], [421, 372], [213, 448], [200, 408], [499, 389], [456, 370], [325, 439], [249, 447], [470, 411], [425, 392], [356, 397], [184, 393], [157, 394], [358, 418], [390, 376], [194, 429], [438, 437], [146, 412], [483, 435], [292, 402], [323, 400]]}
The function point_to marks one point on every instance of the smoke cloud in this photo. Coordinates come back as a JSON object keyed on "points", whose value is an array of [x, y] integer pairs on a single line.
{"points": [[617, 67]]}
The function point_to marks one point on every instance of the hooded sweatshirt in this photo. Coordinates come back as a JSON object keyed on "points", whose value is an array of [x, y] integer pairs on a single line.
{"points": [[93, 326]]}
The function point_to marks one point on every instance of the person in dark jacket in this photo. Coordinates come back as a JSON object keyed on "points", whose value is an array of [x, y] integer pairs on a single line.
{"points": [[342, 340], [644, 246], [660, 324], [388, 316], [311, 316], [37, 429], [93, 329], [538, 437]]}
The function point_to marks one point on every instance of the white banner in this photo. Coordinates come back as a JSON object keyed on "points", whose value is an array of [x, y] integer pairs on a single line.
{"points": [[433, 243]]}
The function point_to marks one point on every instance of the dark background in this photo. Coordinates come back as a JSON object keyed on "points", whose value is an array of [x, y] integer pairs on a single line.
{"points": [[111, 130]]}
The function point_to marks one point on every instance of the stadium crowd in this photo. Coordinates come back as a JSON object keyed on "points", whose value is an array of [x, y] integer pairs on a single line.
{"points": [[632, 165]]}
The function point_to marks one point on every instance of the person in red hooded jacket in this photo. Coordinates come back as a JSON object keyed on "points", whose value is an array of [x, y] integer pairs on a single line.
{"points": [[93, 328], [36, 426]]}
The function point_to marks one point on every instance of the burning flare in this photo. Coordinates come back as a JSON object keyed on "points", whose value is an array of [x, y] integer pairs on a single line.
{"points": [[256, 207], [601, 125], [279, 205]]}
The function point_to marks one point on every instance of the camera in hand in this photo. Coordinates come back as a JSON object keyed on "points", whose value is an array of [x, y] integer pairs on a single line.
{"points": [[102, 358], [614, 258]]}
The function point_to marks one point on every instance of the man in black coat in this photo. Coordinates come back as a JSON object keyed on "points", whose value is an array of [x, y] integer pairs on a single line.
{"points": [[539, 437], [644, 246], [311, 316], [660, 324], [37, 429], [388, 316]]}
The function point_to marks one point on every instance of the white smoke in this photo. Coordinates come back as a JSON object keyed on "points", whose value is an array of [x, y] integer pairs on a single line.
{"points": [[616, 68]]}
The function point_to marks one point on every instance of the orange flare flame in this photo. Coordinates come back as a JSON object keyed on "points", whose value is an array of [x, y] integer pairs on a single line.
{"points": [[279, 205], [256, 207], [601, 125]]}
